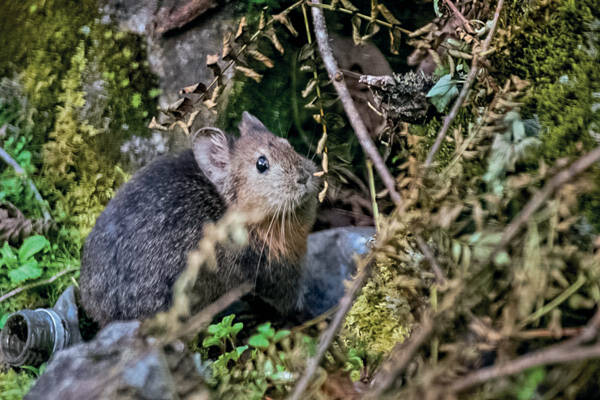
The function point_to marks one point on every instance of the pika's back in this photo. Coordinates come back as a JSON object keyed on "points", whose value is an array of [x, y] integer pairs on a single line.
{"points": [[139, 244]]}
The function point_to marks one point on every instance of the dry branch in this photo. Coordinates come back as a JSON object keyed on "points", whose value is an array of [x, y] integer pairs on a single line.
{"points": [[568, 351], [401, 355], [540, 197], [466, 87], [337, 77], [16, 291]]}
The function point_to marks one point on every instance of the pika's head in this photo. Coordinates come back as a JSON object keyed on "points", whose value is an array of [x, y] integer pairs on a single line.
{"points": [[259, 172]]}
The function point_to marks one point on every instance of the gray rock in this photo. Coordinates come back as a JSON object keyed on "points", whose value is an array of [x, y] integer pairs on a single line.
{"points": [[117, 364], [329, 262]]}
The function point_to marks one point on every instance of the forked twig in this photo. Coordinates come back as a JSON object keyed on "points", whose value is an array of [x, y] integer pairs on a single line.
{"points": [[337, 77], [477, 57]]}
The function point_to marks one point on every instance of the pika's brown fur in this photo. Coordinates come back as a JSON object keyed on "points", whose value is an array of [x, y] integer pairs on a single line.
{"points": [[140, 243]]}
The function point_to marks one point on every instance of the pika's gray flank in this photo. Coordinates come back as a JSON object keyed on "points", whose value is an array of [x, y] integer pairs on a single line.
{"points": [[140, 243]]}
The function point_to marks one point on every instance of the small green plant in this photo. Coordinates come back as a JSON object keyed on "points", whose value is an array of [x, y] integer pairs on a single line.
{"points": [[21, 264], [250, 370]]}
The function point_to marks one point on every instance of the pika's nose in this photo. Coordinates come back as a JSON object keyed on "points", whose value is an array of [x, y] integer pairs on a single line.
{"points": [[302, 177]]}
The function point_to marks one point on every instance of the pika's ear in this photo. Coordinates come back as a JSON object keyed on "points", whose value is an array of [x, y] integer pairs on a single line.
{"points": [[250, 125], [211, 150]]}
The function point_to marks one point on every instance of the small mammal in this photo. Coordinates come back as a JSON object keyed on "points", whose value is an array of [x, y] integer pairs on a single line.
{"points": [[140, 243]]}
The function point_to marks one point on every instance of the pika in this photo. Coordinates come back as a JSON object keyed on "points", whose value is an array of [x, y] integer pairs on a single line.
{"points": [[140, 243]]}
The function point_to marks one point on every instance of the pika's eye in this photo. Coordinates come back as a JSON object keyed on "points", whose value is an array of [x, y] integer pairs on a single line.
{"points": [[262, 164]]}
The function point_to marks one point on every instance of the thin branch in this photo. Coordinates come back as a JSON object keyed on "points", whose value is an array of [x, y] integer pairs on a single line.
{"points": [[428, 253], [401, 355], [460, 16], [21, 172], [540, 197], [326, 338], [200, 321], [337, 77], [477, 57], [567, 351], [36, 284], [359, 15]]}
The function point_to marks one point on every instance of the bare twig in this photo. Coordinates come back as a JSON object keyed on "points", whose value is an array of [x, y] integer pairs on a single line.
{"points": [[460, 16], [426, 250], [477, 57], [326, 338], [21, 172], [540, 197], [568, 351], [337, 77], [359, 15], [36, 284], [544, 357], [400, 357]]}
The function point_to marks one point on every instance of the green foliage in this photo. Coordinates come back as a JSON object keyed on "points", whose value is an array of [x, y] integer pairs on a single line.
{"points": [[21, 264], [14, 385], [78, 177], [443, 92], [556, 48], [251, 371]]}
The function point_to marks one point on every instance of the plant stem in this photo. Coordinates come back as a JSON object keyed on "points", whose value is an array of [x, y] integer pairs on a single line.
{"points": [[36, 284], [359, 15]]}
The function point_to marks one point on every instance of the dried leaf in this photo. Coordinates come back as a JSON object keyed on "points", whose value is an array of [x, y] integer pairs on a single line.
{"points": [[196, 88], [323, 192], [250, 73], [309, 88], [212, 63], [257, 55], [270, 33], [283, 19], [241, 28], [227, 49]]}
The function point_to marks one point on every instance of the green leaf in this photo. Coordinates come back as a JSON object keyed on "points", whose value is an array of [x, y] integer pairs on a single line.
{"points": [[3, 319], [31, 246], [8, 256], [443, 92], [436, 8], [280, 335], [211, 341], [442, 86], [236, 328], [29, 270], [258, 341], [266, 330]]}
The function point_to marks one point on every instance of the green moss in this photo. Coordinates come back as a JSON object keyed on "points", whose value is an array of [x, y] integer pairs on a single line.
{"points": [[14, 385], [556, 49], [78, 176], [381, 315]]}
